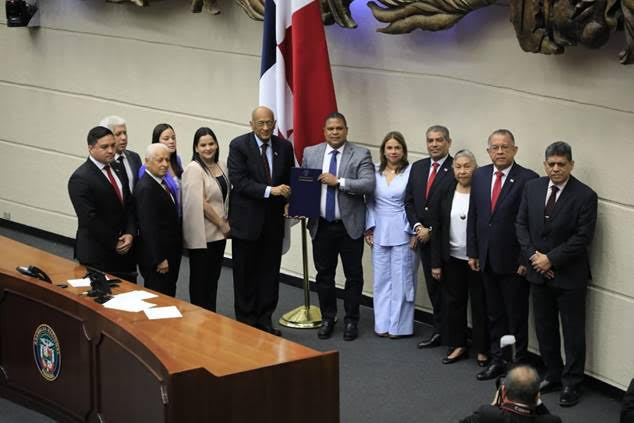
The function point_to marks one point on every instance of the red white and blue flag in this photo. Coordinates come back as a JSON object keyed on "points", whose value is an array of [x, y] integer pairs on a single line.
{"points": [[295, 78]]}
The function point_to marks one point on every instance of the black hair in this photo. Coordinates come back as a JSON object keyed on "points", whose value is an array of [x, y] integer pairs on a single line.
{"points": [[156, 137], [201, 132], [96, 134], [559, 148], [336, 115]]}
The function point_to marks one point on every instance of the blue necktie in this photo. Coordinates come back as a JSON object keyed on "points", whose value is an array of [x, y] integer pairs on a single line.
{"points": [[331, 191]]}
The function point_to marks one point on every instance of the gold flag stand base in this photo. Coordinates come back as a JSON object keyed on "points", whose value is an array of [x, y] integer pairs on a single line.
{"points": [[306, 316], [302, 318]]}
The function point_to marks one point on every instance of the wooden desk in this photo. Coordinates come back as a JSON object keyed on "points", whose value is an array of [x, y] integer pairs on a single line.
{"points": [[121, 367]]}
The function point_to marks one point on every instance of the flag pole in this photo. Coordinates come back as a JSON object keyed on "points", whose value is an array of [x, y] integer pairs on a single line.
{"points": [[306, 316]]}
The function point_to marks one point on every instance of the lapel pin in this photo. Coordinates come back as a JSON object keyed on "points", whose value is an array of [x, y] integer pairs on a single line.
{"points": [[446, 169], [275, 153], [512, 180]]}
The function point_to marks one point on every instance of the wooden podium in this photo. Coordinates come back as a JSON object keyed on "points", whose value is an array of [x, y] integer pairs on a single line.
{"points": [[117, 366]]}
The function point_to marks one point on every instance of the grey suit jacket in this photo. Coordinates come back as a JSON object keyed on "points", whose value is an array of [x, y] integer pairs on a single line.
{"points": [[357, 169]]}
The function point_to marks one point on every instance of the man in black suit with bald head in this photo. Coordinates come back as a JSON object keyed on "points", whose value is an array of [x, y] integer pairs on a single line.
{"points": [[260, 171]]}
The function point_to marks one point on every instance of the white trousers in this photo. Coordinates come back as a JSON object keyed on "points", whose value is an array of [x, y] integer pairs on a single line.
{"points": [[394, 289]]}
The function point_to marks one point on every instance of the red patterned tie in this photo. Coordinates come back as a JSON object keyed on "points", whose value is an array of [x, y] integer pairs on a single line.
{"points": [[113, 183], [430, 180], [497, 187]]}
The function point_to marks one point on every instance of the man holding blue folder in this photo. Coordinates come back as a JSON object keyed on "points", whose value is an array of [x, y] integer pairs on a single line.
{"points": [[348, 175]]}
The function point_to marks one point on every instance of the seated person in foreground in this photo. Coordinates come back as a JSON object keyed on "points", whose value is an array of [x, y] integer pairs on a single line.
{"points": [[516, 400], [627, 411]]}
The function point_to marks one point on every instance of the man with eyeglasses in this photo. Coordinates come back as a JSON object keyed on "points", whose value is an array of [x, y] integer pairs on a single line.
{"points": [[493, 248], [259, 166]]}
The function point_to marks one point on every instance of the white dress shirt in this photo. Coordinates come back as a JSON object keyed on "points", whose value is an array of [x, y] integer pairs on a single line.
{"points": [[101, 167], [160, 182], [325, 168], [127, 167], [269, 158], [458, 226], [549, 190], [505, 173]]}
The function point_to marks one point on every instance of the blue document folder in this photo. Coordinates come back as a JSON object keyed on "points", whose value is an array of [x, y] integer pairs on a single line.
{"points": [[305, 192]]}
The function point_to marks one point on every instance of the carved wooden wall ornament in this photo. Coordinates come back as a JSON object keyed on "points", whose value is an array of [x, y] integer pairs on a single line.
{"points": [[542, 26]]}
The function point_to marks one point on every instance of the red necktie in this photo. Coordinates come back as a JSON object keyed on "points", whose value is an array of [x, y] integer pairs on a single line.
{"points": [[430, 180], [497, 187], [113, 183]]}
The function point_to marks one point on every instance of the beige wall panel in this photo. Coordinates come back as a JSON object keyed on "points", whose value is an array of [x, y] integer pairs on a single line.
{"points": [[59, 122], [482, 48], [377, 102], [479, 39], [609, 337], [166, 78], [38, 218], [165, 22], [45, 175], [611, 251]]}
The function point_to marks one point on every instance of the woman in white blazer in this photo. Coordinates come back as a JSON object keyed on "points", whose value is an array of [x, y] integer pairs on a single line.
{"points": [[205, 191]]}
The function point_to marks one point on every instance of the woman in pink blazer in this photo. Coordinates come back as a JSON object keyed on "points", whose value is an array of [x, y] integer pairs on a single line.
{"points": [[205, 191]]}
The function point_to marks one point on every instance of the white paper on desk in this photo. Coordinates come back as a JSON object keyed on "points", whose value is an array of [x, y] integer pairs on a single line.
{"points": [[162, 313], [126, 304], [136, 295], [79, 283]]}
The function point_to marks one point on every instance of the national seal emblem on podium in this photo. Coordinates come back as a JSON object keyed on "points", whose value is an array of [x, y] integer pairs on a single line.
{"points": [[47, 353]]}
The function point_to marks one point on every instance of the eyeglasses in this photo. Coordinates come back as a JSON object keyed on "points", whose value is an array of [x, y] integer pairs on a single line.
{"points": [[263, 123]]}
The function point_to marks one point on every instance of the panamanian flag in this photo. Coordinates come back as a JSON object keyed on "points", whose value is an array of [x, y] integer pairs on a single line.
{"points": [[295, 78]]}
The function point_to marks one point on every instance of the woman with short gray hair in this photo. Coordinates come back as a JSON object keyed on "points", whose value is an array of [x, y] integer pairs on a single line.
{"points": [[450, 263]]}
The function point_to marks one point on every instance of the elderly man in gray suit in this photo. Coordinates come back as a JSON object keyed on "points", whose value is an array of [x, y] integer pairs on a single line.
{"points": [[348, 175]]}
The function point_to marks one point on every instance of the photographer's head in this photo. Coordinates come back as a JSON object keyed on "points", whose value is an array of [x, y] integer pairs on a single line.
{"points": [[521, 385]]}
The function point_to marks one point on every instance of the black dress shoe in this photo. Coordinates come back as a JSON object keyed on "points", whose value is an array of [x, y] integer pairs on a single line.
{"points": [[494, 370], [431, 342], [350, 332], [325, 331], [569, 396], [546, 386], [465, 354]]}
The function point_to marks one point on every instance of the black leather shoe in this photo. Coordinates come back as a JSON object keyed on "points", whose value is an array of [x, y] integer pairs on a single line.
{"points": [[350, 332], [272, 330], [447, 360], [494, 370], [431, 342], [325, 331], [569, 396], [546, 386]]}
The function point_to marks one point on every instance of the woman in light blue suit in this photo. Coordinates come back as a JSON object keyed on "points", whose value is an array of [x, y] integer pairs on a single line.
{"points": [[392, 240]]}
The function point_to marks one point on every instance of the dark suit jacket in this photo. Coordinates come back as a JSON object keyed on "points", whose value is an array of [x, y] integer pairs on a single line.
{"points": [[440, 222], [491, 236], [492, 414], [135, 164], [160, 234], [627, 411], [418, 207], [249, 208], [564, 238], [101, 218]]}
